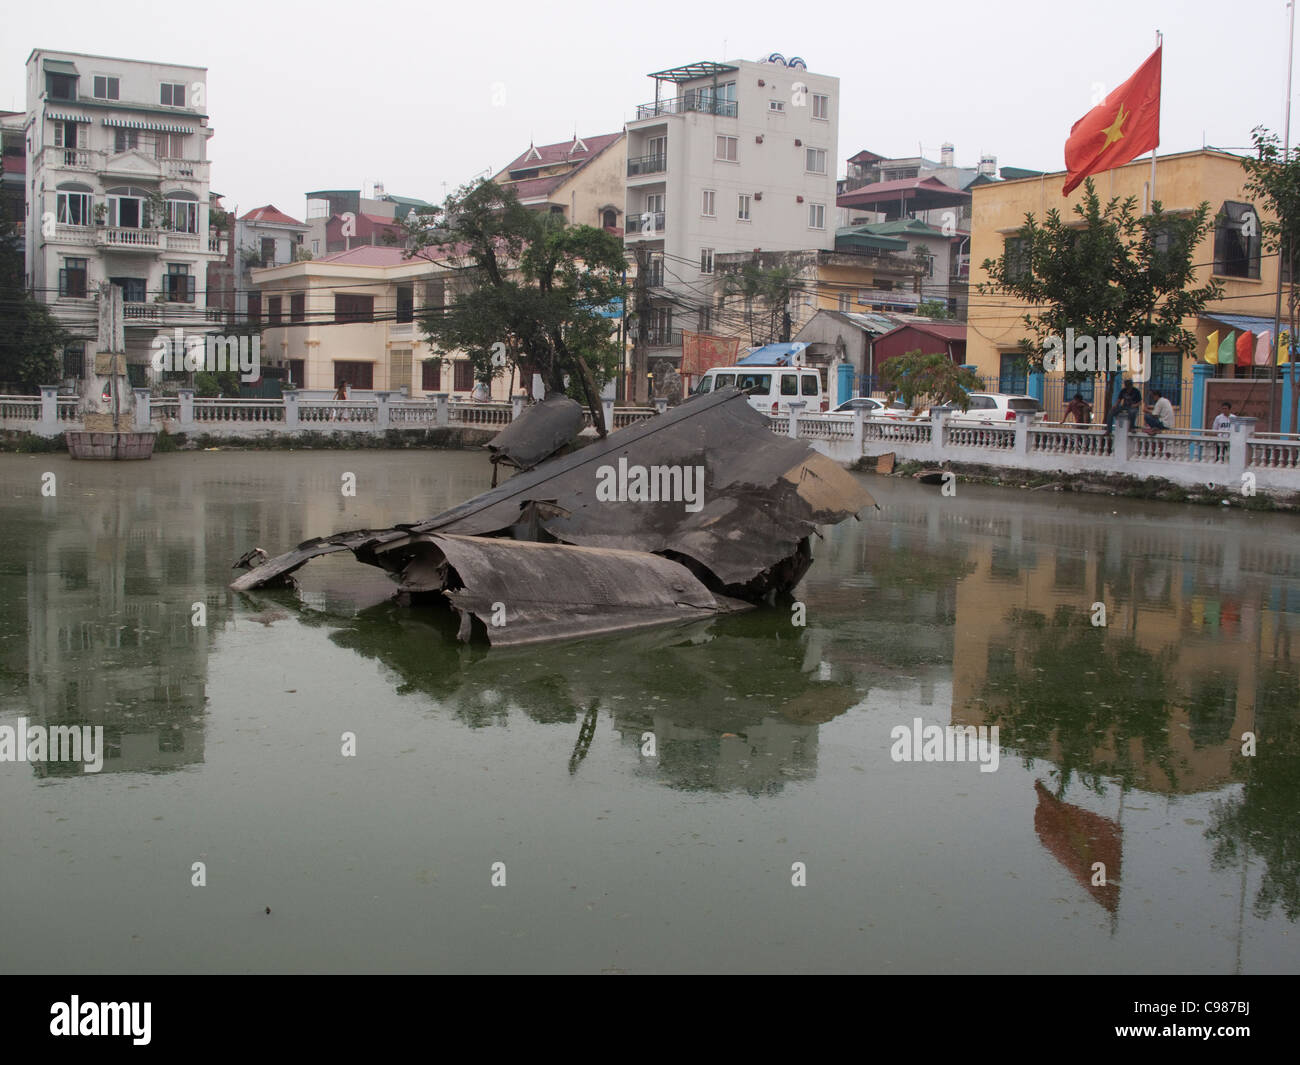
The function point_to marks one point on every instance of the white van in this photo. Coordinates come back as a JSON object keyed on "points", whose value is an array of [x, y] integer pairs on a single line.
{"points": [[770, 388]]}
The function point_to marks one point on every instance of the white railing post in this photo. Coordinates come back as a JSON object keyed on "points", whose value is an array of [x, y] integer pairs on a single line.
{"points": [[1120, 458], [859, 431], [1239, 447], [1023, 420], [516, 406], [661, 404], [381, 415], [938, 419], [796, 405], [443, 416], [49, 423], [185, 414], [290, 397], [607, 403], [142, 408]]}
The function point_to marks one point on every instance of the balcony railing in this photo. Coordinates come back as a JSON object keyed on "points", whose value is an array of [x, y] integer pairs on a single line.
{"points": [[144, 239], [703, 102], [65, 234], [647, 164], [644, 224], [147, 311]]}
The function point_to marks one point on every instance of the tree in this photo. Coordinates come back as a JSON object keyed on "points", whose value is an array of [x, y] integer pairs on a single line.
{"points": [[1113, 273], [532, 291], [30, 337], [771, 289], [1274, 178], [933, 377], [932, 309]]}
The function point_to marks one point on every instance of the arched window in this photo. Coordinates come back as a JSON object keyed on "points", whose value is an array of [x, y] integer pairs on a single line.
{"points": [[609, 218], [128, 207], [73, 204], [181, 211]]}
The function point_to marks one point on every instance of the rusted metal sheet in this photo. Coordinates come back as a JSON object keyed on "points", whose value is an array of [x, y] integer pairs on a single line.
{"points": [[538, 433], [707, 485]]}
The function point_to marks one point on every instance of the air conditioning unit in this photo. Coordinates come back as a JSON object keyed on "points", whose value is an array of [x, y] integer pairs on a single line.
{"points": [[798, 143], [757, 196], [798, 199], [761, 83], [758, 139]]}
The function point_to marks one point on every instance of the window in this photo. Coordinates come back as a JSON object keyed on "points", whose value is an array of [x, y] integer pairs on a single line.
{"points": [[655, 271], [267, 255], [125, 139], [1237, 240], [726, 149], [173, 94], [274, 310], [182, 215], [61, 86], [133, 288], [298, 307], [1013, 374], [73, 208], [1016, 250], [431, 375], [708, 204], [105, 87], [815, 160], [74, 360], [435, 294], [654, 203], [657, 148], [789, 384], [816, 216], [71, 135], [354, 374], [660, 325], [609, 218], [706, 260], [705, 319], [399, 368], [169, 146], [405, 303], [128, 208], [178, 283], [776, 105], [254, 307], [297, 372], [315, 247], [742, 208], [350, 308], [845, 302], [72, 278], [812, 385], [462, 376], [1167, 375], [821, 106]]}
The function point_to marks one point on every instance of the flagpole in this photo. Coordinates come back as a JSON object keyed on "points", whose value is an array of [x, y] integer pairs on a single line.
{"points": [[1282, 248], [1160, 39]]}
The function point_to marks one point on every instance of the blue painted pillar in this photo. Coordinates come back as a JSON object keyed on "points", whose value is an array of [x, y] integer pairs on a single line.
{"points": [[1290, 384], [843, 383], [1035, 385], [1201, 372]]}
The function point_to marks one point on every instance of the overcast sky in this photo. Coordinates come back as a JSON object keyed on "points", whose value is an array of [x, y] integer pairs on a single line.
{"points": [[322, 95]]}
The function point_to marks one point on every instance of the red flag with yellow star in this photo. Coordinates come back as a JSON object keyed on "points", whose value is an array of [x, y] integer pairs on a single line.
{"points": [[1117, 130]]}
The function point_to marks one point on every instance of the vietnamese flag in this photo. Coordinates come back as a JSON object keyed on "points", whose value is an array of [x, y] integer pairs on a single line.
{"points": [[1117, 130]]}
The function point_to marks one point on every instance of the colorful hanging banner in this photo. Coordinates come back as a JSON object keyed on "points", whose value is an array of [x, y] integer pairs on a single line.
{"points": [[1264, 348], [1245, 348], [1212, 347], [1228, 349]]}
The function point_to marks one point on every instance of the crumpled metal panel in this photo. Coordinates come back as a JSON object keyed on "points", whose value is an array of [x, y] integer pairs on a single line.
{"points": [[552, 591], [762, 497], [538, 433]]}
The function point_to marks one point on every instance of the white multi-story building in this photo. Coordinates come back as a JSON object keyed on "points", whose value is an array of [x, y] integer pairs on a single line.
{"points": [[117, 174], [728, 157]]}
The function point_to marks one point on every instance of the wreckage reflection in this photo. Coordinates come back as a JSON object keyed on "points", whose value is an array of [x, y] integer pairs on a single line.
{"points": [[726, 704]]}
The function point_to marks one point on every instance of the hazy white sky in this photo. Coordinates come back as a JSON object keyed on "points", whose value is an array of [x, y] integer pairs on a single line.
{"points": [[322, 95]]}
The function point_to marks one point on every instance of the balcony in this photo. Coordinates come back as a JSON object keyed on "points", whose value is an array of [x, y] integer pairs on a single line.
{"points": [[128, 239], [72, 159], [64, 234], [647, 164], [649, 224], [701, 102], [151, 312]]}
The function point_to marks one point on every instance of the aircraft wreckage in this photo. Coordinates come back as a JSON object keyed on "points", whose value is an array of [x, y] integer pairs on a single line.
{"points": [[696, 512]]}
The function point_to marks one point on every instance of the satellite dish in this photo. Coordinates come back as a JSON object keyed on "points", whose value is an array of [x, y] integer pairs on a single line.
{"points": [[797, 63], [776, 57]]}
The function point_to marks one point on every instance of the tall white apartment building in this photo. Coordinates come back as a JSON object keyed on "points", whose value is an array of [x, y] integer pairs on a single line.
{"points": [[117, 190], [728, 157]]}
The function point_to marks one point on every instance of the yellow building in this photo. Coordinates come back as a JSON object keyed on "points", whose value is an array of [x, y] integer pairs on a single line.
{"points": [[1230, 254], [351, 317]]}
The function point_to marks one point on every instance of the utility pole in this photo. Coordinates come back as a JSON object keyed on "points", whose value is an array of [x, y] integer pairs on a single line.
{"points": [[640, 349], [1283, 250]]}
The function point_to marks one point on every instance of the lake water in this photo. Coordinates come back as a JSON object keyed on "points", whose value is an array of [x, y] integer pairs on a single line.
{"points": [[652, 797]]}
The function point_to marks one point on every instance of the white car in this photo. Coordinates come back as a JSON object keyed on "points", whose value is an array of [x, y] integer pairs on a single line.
{"points": [[992, 408], [875, 408]]}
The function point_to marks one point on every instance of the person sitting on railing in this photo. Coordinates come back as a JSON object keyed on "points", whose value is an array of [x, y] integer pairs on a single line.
{"points": [[1160, 414], [1079, 409], [1127, 405]]}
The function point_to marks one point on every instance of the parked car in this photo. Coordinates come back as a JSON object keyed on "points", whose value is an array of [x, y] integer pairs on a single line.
{"points": [[770, 388], [875, 408], [992, 408]]}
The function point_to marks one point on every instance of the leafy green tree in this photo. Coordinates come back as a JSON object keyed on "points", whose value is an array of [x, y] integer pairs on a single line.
{"points": [[530, 290], [30, 338], [1113, 272], [765, 294], [932, 309], [933, 377]]}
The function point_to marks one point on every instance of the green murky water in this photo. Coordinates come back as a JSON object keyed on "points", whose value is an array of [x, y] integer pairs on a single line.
{"points": [[648, 795]]}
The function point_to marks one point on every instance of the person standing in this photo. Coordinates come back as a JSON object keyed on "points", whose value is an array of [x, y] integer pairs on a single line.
{"points": [[1223, 420], [1079, 409]]}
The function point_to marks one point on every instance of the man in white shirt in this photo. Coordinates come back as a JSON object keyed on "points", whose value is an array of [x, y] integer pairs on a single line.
{"points": [[1161, 414], [1223, 420]]}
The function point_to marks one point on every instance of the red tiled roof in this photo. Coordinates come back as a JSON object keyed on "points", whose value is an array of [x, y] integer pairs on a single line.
{"points": [[925, 190], [562, 152], [270, 213], [367, 255], [942, 330]]}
